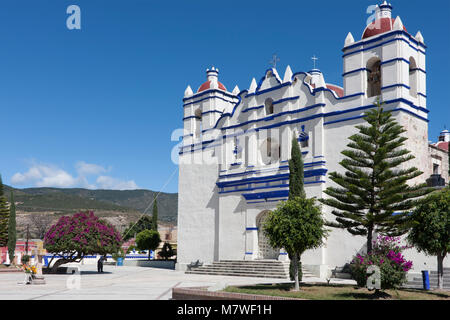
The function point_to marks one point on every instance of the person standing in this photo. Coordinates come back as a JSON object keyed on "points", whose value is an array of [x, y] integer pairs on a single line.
{"points": [[100, 264]]}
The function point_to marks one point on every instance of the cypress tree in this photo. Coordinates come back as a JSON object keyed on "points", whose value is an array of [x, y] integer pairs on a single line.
{"points": [[12, 229], [4, 217], [374, 195], [155, 215], [296, 176]]}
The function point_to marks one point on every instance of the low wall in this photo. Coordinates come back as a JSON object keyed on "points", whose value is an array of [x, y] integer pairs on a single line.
{"points": [[204, 294], [163, 264]]}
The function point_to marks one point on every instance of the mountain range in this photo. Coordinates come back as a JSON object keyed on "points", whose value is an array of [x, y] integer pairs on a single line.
{"points": [[66, 201]]}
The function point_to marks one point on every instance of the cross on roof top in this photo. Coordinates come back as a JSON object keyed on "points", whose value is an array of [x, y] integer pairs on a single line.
{"points": [[274, 61], [314, 58]]}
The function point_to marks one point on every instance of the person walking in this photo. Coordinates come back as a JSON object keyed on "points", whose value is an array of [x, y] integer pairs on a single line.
{"points": [[100, 264]]}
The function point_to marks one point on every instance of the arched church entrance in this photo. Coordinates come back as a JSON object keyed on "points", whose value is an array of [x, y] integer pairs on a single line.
{"points": [[265, 251]]}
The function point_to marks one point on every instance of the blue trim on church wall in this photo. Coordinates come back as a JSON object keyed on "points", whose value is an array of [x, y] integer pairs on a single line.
{"points": [[274, 102], [387, 35], [199, 94], [320, 115], [273, 178], [212, 97]]}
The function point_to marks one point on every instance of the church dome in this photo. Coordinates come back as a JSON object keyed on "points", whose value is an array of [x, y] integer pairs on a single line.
{"points": [[212, 81], [207, 85], [379, 26]]}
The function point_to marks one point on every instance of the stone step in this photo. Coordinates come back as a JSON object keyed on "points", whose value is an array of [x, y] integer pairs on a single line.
{"points": [[251, 264], [237, 274], [243, 266], [250, 268]]}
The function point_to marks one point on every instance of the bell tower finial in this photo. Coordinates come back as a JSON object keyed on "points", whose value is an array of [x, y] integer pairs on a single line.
{"points": [[384, 10]]}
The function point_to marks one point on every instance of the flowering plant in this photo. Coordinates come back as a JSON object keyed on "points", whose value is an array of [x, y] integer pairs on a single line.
{"points": [[81, 234], [29, 269], [387, 255]]}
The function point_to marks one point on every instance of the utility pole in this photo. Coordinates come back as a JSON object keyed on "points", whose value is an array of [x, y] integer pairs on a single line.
{"points": [[28, 236]]}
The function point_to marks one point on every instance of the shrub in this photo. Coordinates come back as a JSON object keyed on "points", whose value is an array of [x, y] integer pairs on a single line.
{"points": [[387, 255], [166, 251], [119, 254], [25, 259]]}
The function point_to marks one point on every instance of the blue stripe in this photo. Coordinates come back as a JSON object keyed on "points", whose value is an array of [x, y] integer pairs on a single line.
{"points": [[266, 195], [251, 228], [207, 92], [396, 85], [353, 71], [277, 177], [393, 60], [387, 35]]}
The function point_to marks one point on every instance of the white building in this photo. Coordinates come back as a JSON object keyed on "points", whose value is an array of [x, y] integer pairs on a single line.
{"points": [[233, 160]]}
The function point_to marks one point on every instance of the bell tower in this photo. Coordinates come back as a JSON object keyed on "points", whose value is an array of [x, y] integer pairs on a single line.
{"points": [[387, 63]]}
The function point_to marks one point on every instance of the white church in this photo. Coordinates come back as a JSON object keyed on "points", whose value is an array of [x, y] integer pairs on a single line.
{"points": [[233, 162]]}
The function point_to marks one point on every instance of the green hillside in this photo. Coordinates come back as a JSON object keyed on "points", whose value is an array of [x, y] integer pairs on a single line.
{"points": [[70, 200]]}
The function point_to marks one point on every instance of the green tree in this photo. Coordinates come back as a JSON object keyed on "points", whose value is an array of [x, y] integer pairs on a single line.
{"points": [[155, 215], [431, 230], [296, 175], [374, 185], [296, 225], [12, 229], [4, 217], [145, 222], [148, 240]]}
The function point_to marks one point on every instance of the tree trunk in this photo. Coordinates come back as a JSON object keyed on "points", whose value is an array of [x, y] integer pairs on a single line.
{"points": [[59, 263], [440, 258], [295, 263], [149, 254], [369, 239]]}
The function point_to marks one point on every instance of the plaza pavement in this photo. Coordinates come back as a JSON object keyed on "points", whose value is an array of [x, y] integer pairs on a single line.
{"points": [[120, 283]]}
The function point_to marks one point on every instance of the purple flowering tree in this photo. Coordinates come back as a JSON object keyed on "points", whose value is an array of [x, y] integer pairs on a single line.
{"points": [[387, 255], [74, 237]]}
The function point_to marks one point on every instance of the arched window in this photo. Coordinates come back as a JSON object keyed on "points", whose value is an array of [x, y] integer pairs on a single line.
{"points": [[412, 77], [373, 77], [270, 151], [198, 122], [268, 104]]}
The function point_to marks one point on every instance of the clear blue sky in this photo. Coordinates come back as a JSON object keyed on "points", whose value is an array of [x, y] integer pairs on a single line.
{"points": [[96, 107]]}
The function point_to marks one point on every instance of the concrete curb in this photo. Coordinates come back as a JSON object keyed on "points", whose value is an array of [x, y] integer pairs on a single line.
{"points": [[201, 293]]}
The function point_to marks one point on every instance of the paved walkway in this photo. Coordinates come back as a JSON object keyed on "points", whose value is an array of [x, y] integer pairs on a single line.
{"points": [[136, 283]]}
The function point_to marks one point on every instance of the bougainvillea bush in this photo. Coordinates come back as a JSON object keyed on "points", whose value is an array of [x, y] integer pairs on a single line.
{"points": [[387, 255], [81, 234]]}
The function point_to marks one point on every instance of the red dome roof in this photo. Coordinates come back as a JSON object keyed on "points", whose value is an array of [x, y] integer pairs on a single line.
{"points": [[379, 26], [207, 85]]}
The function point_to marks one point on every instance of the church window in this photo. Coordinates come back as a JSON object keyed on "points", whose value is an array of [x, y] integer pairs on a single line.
{"points": [[412, 77], [373, 77], [268, 104], [198, 122]]}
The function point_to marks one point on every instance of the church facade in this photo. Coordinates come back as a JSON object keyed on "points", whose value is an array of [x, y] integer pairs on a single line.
{"points": [[233, 162]]}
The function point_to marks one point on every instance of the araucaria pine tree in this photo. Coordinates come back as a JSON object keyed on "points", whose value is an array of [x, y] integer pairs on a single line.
{"points": [[155, 216], [12, 229], [373, 194], [4, 217]]}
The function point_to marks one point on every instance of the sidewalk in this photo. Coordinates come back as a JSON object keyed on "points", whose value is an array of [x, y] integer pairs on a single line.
{"points": [[123, 283]]}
